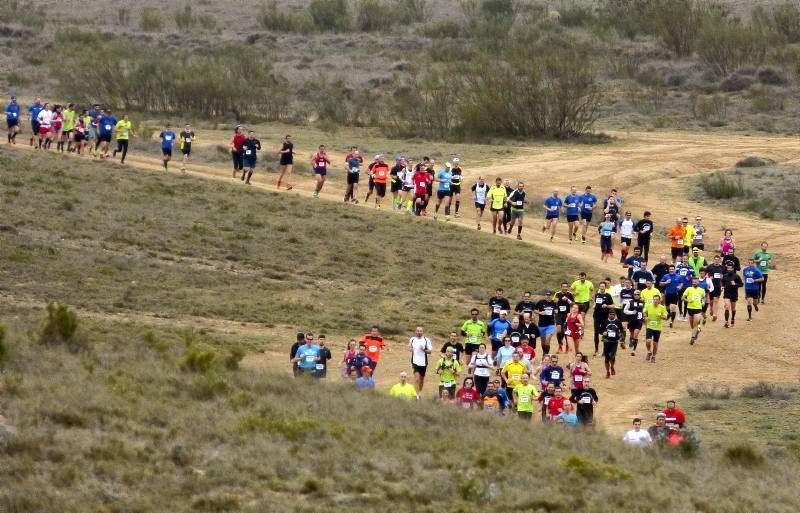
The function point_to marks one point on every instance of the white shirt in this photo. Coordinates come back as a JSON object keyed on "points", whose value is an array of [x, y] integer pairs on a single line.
{"points": [[482, 363], [615, 292], [419, 346], [626, 228], [45, 118], [640, 438], [480, 193]]}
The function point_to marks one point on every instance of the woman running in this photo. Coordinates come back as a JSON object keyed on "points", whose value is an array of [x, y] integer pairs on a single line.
{"points": [[481, 366], [287, 162], [727, 244], [467, 396], [579, 369], [574, 328], [349, 354]]}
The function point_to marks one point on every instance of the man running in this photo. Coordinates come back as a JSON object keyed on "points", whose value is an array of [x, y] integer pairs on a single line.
{"points": [[237, 153], [634, 315], [448, 368], [287, 162], [546, 310], [352, 167], [497, 196], [763, 259], [250, 147], [187, 137], [585, 398], [582, 290], [695, 297], [612, 333], [588, 203], [443, 192], [498, 303], [516, 200], [552, 207], [123, 131], [564, 301], [498, 328], [674, 286], [420, 347], [33, 111], [752, 286], [644, 229], [12, 120], [474, 332], [167, 137], [375, 344], [480, 191], [396, 180], [655, 314], [320, 163], [572, 207], [731, 283], [403, 389], [306, 357], [380, 175], [677, 235], [626, 227], [687, 237], [660, 270], [70, 117], [106, 125], [603, 305], [525, 393], [44, 120], [421, 179], [698, 239], [455, 184]]}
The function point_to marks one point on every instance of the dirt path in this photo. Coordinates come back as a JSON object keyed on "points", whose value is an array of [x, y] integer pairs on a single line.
{"points": [[650, 170]]}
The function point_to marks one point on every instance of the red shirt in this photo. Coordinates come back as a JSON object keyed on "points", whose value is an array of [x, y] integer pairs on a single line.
{"points": [[468, 398], [674, 417], [238, 141], [421, 179], [573, 327], [577, 372], [374, 345], [528, 352], [380, 172], [555, 405], [321, 161]]}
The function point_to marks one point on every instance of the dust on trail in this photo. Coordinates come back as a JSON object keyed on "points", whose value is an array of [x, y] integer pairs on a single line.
{"points": [[652, 172]]}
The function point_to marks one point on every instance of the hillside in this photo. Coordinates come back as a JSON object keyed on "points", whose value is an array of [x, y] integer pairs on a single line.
{"points": [[152, 412]]}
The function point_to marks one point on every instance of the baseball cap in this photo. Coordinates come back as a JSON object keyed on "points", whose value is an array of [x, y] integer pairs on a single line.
{"points": [[548, 292], [456, 160], [377, 156], [661, 415], [398, 158]]}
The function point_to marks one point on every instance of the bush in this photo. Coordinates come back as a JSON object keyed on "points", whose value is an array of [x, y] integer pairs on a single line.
{"points": [[744, 456], [735, 82], [576, 15], [330, 15], [207, 21], [719, 186], [677, 23], [372, 15], [725, 44], [183, 17], [150, 20], [280, 20], [409, 11], [199, 358], [441, 30], [762, 389], [708, 391], [60, 326], [754, 161], [783, 19], [770, 76]]}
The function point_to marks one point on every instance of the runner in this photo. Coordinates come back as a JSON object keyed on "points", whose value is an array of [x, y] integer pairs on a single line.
{"points": [[660, 270], [380, 175], [480, 192], [752, 286], [320, 163], [655, 314], [306, 357], [585, 398], [546, 310], [481, 366], [407, 195], [475, 332], [361, 360], [456, 345], [352, 169], [124, 132], [403, 389], [420, 347], [455, 184], [582, 290], [512, 372], [696, 261], [421, 179], [443, 193], [301, 339], [44, 120], [93, 125], [694, 296], [12, 120], [635, 263], [574, 328], [606, 230], [448, 368], [507, 206], [612, 205], [237, 151], [564, 300], [80, 131], [57, 127], [677, 235], [365, 380], [588, 203], [396, 181], [287, 162], [555, 406], [529, 330], [637, 436], [707, 284], [187, 138], [578, 371], [572, 207], [659, 432], [603, 305], [349, 354], [106, 125], [688, 236], [250, 147], [495, 401], [715, 271], [517, 201], [70, 117], [634, 315], [612, 333], [674, 286], [673, 416], [374, 343], [498, 303], [685, 272], [626, 227], [497, 196], [552, 207], [727, 244], [324, 355], [468, 396], [731, 283], [33, 111], [548, 392], [498, 328], [644, 229], [525, 393], [699, 233], [731, 258], [649, 293], [167, 137], [525, 305], [763, 259], [504, 353], [371, 181]]}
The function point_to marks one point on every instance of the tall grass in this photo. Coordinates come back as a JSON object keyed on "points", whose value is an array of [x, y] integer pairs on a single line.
{"points": [[719, 186]]}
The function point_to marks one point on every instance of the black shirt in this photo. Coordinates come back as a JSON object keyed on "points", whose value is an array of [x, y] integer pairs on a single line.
{"points": [[515, 334], [458, 347], [287, 146], [546, 308], [659, 270], [516, 199], [525, 307], [394, 172], [457, 176], [187, 137], [625, 296], [324, 355], [716, 272], [585, 400], [644, 228], [531, 331], [613, 330], [640, 278], [732, 259], [495, 305], [731, 282], [249, 147], [634, 263], [637, 306], [600, 300], [564, 302]]}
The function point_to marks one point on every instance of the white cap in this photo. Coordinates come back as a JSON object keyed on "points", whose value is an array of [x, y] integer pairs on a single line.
{"points": [[377, 157], [447, 164], [456, 160]]}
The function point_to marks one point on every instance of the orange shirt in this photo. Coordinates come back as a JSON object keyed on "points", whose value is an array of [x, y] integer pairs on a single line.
{"points": [[380, 172], [677, 235], [374, 345]]}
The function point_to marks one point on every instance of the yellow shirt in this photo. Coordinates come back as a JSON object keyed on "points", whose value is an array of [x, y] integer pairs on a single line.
{"points": [[694, 297], [402, 391], [497, 195], [123, 130], [583, 291], [526, 395], [690, 233], [513, 372], [649, 294], [655, 316]]}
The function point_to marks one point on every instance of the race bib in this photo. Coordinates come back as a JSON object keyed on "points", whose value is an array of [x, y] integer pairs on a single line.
{"points": [[546, 401], [311, 358], [524, 399], [496, 309], [555, 375], [562, 308], [247, 152], [612, 334], [645, 229], [717, 276], [642, 280], [466, 405], [639, 316], [679, 243], [167, 137], [320, 366], [749, 280], [13, 114], [354, 170], [652, 324], [515, 377], [473, 339], [763, 263], [514, 339], [373, 349], [188, 139], [447, 384], [586, 400], [568, 332], [599, 301], [526, 356], [548, 311], [108, 127], [578, 378]]}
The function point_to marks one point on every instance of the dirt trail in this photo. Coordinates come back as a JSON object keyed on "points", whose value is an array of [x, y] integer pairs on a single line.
{"points": [[650, 170]]}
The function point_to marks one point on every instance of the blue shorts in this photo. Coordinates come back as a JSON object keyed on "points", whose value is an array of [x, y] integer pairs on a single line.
{"points": [[249, 162], [547, 330]]}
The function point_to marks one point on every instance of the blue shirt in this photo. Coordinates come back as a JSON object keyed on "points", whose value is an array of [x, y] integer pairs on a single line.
{"points": [[107, 124], [751, 274], [167, 139], [553, 204], [588, 201], [307, 356], [364, 382], [503, 398], [496, 328], [570, 419], [635, 264], [606, 228], [12, 111], [573, 203], [354, 165], [504, 355], [676, 282], [552, 374], [34, 110], [445, 177], [686, 272]]}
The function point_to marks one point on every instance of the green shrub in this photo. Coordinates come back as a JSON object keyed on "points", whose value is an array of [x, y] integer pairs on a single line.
{"points": [[725, 43], [783, 18], [576, 15], [199, 358], [123, 16], [677, 23], [754, 161], [150, 20], [442, 29], [331, 15], [372, 15], [207, 21], [184, 18], [281, 20], [233, 358], [60, 326], [718, 186], [743, 455], [708, 391], [763, 389], [15, 79]]}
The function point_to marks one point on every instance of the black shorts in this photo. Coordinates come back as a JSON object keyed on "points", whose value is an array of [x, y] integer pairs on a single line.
{"points": [[676, 252], [672, 298], [287, 160], [730, 297], [717, 292], [320, 172], [496, 344], [79, 137], [694, 311], [380, 189], [654, 335], [625, 240], [755, 294], [395, 186], [35, 127], [496, 209], [525, 415], [12, 123], [605, 244], [165, 151], [187, 149], [423, 197], [67, 132], [352, 178], [443, 194], [561, 320], [249, 162], [470, 348], [572, 219], [685, 250], [419, 369], [105, 138], [586, 217], [610, 349], [635, 324], [455, 189], [371, 183], [407, 188], [480, 206], [584, 307]]}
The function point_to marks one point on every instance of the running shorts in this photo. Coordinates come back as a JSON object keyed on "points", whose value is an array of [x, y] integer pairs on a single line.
{"points": [[480, 206], [44, 130], [249, 162], [167, 151], [755, 294], [419, 369], [584, 307], [407, 188], [699, 245], [12, 123], [317, 171], [694, 311], [672, 298], [380, 189], [495, 209], [395, 185], [551, 216], [443, 194], [455, 189], [653, 335], [731, 297], [187, 149], [625, 240], [105, 138], [635, 324], [605, 244], [286, 159], [676, 252], [79, 137], [352, 178], [572, 218], [547, 330], [517, 214], [610, 349], [586, 216]]}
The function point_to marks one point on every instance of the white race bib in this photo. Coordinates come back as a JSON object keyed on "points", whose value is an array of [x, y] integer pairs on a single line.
{"points": [[108, 127], [247, 152], [524, 399], [311, 358], [562, 308], [515, 377], [612, 334], [515, 339], [548, 311], [578, 378], [320, 366], [586, 400], [717, 276], [373, 349], [546, 401], [599, 301], [555, 375], [473, 339], [447, 384]]}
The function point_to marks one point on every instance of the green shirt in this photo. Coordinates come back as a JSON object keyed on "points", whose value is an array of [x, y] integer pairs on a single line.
{"points": [[448, 371], [474, 330], [655, 316], [526, 395], [69, 120], [696, 263], [123, 130], [583, 291], [694, 297], [762, 259]]}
